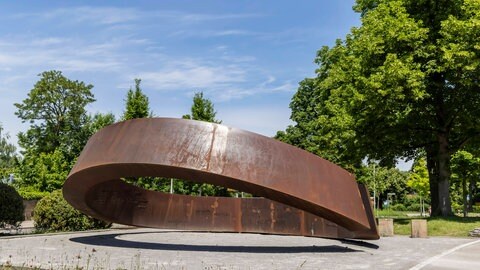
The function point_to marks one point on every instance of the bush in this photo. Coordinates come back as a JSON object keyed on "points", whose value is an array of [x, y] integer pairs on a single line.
{"points": [[398, 207], [11, 206], [28, 193], [416, 207], [53, 213]]}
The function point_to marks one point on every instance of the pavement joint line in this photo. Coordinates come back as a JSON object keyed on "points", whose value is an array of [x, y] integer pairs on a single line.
{"points": [[445, 253]]}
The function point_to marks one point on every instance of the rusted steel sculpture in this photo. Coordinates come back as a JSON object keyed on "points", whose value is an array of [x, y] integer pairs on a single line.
{"points": [[301, 194]]}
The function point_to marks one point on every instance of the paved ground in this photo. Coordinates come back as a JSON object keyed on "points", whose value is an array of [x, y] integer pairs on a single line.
{"points": [[164, 249]]}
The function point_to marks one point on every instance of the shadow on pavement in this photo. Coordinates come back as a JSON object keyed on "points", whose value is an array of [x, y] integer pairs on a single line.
{"points": [[111, 240], [358, 243]]}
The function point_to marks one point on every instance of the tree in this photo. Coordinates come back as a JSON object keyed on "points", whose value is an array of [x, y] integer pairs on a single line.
{"points": [[55, 109], [403, 83], [202, 109], [136, 104], [45, 171], [97, 122], [466, 169], [418, 180], [8, 156], [59, 129], [382, 180]]}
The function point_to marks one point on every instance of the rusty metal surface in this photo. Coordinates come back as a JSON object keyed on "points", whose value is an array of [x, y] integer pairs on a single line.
{"points": [[302, 193]]}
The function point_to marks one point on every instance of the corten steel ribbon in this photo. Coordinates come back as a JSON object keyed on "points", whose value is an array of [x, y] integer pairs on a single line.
{"points": [[302, 193]]}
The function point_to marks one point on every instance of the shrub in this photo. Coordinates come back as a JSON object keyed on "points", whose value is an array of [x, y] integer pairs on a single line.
{"points": [[398, 207], [11, 206], [29, 193], [416, 207], [53, 213]]}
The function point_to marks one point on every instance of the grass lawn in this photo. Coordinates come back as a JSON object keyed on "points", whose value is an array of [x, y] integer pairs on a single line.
{"points": [[439, 226]]}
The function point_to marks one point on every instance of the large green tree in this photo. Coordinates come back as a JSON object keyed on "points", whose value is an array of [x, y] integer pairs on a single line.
{"points": [[136, 104], [55, 110], [404, 82], [59, 129]]}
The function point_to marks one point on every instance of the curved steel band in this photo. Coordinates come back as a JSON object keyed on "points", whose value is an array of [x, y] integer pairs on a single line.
{"points": [[302, 193]]}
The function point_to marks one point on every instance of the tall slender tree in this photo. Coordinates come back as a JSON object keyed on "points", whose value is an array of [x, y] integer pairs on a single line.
{"points": [[202, 109], [136, 104]]}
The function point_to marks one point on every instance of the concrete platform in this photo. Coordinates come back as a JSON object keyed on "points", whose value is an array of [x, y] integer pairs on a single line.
{"points": [[166, 249]]}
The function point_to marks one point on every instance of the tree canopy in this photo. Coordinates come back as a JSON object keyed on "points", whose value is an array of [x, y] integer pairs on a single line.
{"points": [[202, 109], [55, 109], [59, 129], [136, 104], [404, 82]]}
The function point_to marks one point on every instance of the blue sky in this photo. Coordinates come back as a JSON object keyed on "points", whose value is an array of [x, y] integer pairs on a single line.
{"points": [[246, 56]]}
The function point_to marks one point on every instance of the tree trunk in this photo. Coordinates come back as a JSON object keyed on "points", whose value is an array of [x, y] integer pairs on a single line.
{"points": [[432, 168], [470, 192], [464, 191], [438, 164]]}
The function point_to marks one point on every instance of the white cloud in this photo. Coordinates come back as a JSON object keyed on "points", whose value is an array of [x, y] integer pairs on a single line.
{"points": [[195, 17], [94, 15], [191, 75], [265, 120], [122, 15]]}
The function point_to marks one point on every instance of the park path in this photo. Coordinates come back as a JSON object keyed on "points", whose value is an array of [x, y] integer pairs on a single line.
{"points": [[166, 249]]}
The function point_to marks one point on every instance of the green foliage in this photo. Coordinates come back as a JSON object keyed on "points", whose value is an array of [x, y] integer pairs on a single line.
{"points": [[11, 206], [59, 129], [53, 213], [44, 172], [8, 156], [97, 122], [136, 104], [390, 213], [418, 178], [413, 201], [383, 180], [55, 109], [30, 193], [202, 109], [402, 83], [415, 207], [465, 176], [398, 207]]}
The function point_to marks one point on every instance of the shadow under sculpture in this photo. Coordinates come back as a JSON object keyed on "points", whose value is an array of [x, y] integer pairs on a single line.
{"points": [[301, 194]]}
